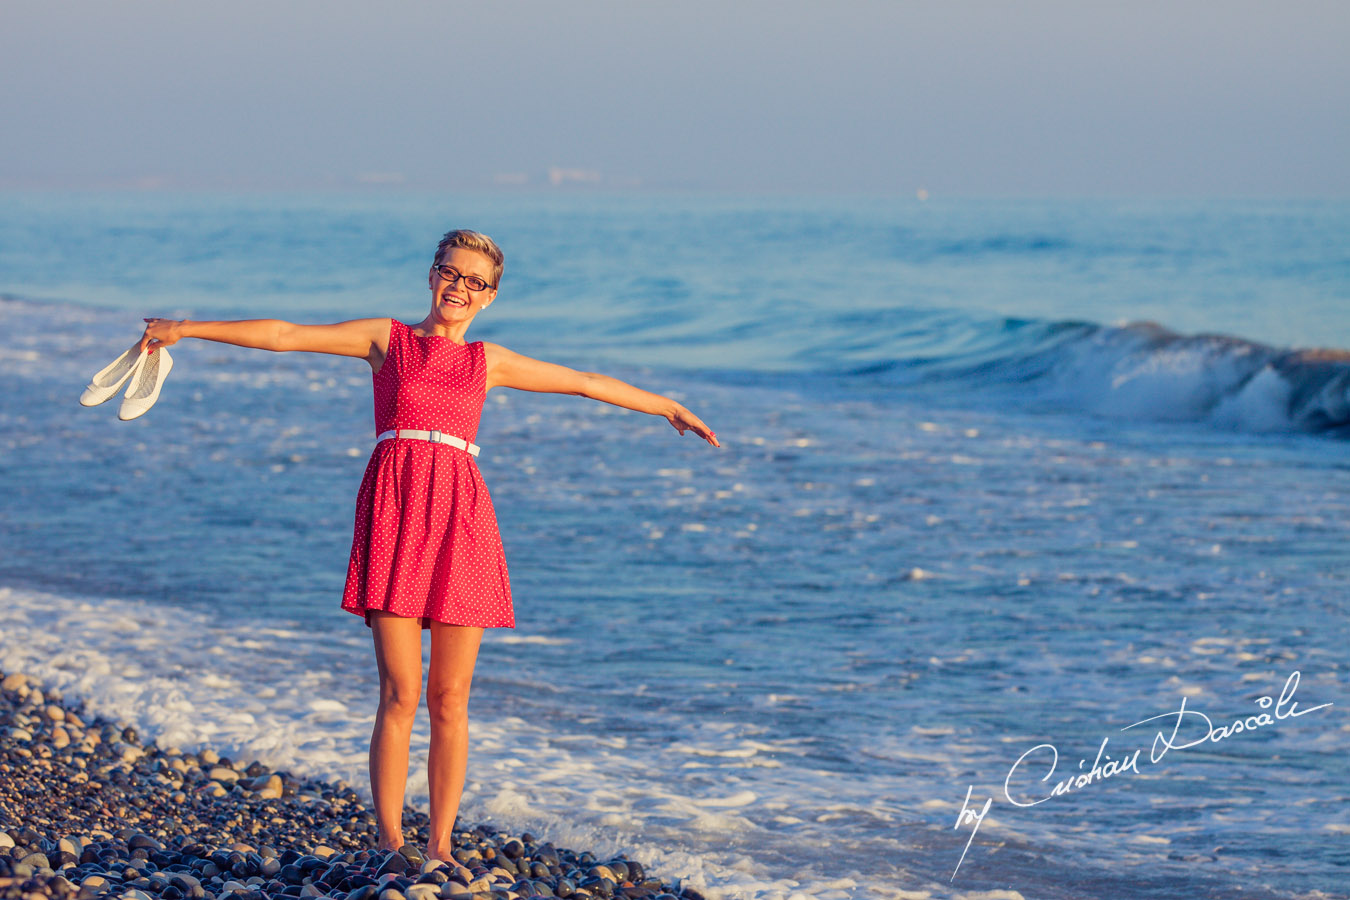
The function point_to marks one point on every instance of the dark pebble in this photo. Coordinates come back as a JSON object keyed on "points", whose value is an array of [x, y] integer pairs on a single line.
{"points": [[361, 880], [144, 841], [602, 886], [189, 886], [332, 874]]}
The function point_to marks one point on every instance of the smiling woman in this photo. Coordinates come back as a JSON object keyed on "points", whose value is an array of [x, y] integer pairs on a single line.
{"points": [[426, 552]]}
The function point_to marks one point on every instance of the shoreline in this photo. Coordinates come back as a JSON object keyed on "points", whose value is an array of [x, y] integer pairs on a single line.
{"points": [[88, 809]]}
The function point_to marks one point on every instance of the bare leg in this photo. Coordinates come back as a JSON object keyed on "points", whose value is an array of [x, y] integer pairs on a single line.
{"points": [[398, 654], [454, 650]]}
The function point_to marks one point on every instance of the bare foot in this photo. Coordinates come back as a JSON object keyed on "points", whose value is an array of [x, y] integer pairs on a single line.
{"points": [[443, 854]]}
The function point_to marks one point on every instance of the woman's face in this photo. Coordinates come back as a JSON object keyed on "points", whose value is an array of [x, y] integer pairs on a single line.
{"points": [[453, 300]]}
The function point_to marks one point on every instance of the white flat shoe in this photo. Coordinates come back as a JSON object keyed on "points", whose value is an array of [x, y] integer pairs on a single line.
{"points": [[151, 370], [110, 380]]}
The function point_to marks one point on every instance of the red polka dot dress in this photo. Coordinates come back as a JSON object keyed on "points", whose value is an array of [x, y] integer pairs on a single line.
{"points": [[425, 542]]}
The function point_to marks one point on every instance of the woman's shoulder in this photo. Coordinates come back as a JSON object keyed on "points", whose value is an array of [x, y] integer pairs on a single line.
{"points": [[382, 331], [496, 353]]}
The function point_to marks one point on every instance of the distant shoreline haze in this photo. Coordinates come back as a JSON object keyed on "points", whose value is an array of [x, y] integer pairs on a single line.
{"points": [[1038, 98]]}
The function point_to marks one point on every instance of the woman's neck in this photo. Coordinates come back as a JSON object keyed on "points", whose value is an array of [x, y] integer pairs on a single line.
{"points": [[425, 328]]}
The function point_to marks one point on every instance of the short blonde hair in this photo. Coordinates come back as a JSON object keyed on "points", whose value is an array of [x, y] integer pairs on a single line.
{"points": [[477, 241]]}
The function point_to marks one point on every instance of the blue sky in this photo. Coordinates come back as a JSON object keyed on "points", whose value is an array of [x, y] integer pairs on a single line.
{"points": [[1036, 98]]}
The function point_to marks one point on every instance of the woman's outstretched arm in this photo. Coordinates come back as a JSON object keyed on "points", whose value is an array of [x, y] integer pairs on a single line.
{"points": [[509, 369], [358, 337]]}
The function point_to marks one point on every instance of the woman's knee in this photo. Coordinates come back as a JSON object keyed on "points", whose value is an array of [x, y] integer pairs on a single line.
{"points": [[399, 701], [448, 701]]}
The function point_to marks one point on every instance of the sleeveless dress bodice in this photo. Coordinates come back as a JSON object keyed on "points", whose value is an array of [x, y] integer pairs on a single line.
{"points": [[430, 382]]}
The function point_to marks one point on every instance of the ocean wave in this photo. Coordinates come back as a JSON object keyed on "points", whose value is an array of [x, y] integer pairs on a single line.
{"points": [[1136, 371]]}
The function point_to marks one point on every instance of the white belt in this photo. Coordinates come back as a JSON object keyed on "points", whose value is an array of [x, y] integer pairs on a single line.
{"points": [[434, 436]]}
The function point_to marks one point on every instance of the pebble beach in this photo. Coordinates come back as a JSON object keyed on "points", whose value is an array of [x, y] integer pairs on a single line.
{"points": [[91, 809]]}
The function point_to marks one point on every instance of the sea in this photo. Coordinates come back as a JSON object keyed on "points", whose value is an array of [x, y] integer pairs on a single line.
{"points": [[1021, 571]]}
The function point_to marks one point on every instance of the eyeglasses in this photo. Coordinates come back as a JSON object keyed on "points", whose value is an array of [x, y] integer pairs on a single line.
{"points": [[452, 275]]}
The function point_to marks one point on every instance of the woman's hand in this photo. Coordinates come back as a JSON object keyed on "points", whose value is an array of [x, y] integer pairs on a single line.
{"points": [[160, 333], [683, 420]]}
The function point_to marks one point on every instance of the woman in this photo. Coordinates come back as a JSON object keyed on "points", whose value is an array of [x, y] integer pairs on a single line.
{"points": [[426, 553]]}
